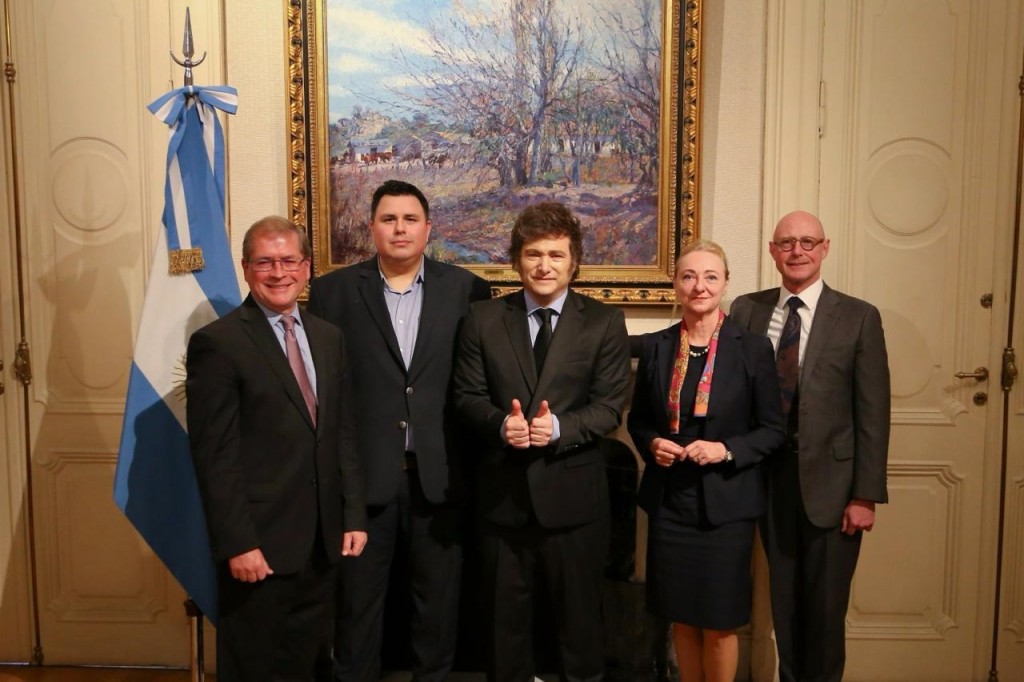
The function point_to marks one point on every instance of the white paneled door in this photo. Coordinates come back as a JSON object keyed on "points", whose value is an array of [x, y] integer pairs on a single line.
{"points": [[90, 177], [918, 133]]}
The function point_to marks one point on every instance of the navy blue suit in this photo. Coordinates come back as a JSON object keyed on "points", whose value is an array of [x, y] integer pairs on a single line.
{"points": [[744, 413]]}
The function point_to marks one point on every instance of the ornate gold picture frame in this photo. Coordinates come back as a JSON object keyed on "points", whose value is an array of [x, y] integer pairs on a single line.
{"points": [[595, 104]]}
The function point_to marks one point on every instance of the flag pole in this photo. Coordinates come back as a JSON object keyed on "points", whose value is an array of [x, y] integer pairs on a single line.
{"points": [[188, 50], [195, 637], [196, 663]]}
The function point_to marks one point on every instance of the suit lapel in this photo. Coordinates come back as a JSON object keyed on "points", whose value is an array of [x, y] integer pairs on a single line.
{"points": [[727, 361], [665, 351], [371, 291], [432, 303], [761, 314], [568, 334], [519, 337], [825, 317], [318, 352], [258, 328]]}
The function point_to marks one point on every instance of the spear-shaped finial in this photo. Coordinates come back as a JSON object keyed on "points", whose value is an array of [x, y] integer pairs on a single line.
{"points": [[188, 50]]}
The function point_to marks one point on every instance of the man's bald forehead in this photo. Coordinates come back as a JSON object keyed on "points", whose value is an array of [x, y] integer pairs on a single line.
{"points": [[807, 224]]}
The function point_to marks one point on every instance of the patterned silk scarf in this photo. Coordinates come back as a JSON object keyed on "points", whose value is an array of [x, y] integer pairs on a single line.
{"points": [[700, 405]]}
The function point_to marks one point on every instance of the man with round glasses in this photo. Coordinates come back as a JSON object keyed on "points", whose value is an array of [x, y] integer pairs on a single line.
{"points": [[825, 481]]}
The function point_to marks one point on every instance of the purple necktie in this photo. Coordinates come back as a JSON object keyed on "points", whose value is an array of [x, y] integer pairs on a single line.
{"points": [[291, 347], [787, 357]]}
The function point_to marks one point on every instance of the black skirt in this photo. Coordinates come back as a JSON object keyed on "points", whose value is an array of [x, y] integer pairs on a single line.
{"points": [[699, 574]]}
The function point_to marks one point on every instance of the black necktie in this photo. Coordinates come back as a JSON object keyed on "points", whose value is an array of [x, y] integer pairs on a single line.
{"points": [[543, 340], [787, 357]]}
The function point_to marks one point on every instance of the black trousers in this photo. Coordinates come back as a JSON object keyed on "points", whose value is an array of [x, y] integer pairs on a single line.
{"points": [[569, 562], [810, 572], [273, 630], [431, 534]]}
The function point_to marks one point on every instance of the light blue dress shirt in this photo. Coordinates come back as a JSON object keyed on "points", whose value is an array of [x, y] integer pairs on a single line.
{"points": [[300, 335]]}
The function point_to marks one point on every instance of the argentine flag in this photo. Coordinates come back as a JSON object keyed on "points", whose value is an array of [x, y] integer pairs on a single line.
{"points": [[192, 282]]}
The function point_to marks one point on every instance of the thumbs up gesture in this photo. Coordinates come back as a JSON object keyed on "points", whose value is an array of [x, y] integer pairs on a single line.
{"points": [[542, 426], [517, 430]]}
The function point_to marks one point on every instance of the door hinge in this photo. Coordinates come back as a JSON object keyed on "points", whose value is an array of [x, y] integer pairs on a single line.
{"points": [[23, 364], [1009, 374]]}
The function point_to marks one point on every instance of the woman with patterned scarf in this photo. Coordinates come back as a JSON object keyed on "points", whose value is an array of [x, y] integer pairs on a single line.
{"points": [[706, 412]]}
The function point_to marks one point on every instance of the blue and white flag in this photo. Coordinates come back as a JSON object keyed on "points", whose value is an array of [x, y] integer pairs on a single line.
{"points": [[192, 282]]}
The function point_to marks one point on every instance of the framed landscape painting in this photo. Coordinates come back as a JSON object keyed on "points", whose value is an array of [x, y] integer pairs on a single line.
{"points": [[491, 105]]}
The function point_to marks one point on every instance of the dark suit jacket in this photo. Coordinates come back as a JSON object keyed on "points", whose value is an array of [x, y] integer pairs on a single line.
{"points": [[744, 412], [265, 473], [844, 401], [390, 398], [584, 381]]}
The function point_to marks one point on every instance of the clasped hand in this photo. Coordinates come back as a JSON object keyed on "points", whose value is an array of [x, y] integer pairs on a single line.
{"points": [[666, 452], [522, 434]]}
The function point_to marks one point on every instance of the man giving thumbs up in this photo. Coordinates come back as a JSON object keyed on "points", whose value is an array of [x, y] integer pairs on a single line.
{"points": [[540, 375]]}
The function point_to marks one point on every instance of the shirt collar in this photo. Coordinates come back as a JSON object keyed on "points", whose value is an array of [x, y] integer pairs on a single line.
{"points": [[556, 305], [418, 279], [274, 317], [808, 296]]}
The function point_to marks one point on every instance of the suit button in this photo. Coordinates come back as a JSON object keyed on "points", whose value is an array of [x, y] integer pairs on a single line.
{"points": [[408, 391], [314, 481], [402, 425]]}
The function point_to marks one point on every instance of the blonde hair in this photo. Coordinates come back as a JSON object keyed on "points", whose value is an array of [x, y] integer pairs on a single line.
{"points": [[702, 245]]}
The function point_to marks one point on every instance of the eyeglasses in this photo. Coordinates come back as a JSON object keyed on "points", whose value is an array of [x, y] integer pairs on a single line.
{"points": [[806, 243], [267, 264]]}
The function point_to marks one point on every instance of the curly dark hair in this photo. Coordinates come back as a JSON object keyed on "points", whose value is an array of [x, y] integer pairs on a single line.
{"points": [[547, 220]]}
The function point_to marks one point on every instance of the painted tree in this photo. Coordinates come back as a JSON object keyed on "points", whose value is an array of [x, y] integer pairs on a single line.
{"points": [[632, 58], [499, 77]]}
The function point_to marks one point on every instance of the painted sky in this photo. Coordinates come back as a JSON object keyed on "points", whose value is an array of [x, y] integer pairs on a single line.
{"points": [[362, 35]]}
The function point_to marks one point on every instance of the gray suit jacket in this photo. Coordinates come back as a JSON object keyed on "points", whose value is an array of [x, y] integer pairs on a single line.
{"points": [[844, 401]]}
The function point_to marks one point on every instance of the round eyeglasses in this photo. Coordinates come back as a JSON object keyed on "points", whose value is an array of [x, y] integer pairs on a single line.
{"points": [[806, 243]]}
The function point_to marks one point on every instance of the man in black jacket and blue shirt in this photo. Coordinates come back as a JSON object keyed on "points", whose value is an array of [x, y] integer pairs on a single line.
{"points": [[400, 313]]}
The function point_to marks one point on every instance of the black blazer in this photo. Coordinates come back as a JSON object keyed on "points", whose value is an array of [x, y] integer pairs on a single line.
{"points": [[584, 381], [265, 473], [844, 401], [744, 412], [391, 398]]}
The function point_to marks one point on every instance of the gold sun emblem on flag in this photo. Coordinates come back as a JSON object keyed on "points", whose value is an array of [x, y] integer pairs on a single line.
{"points": [[178, 374]]}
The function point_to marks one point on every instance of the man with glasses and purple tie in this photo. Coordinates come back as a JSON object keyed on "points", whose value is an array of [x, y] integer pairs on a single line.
{"points": [[270, 422], [824, 483]]}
